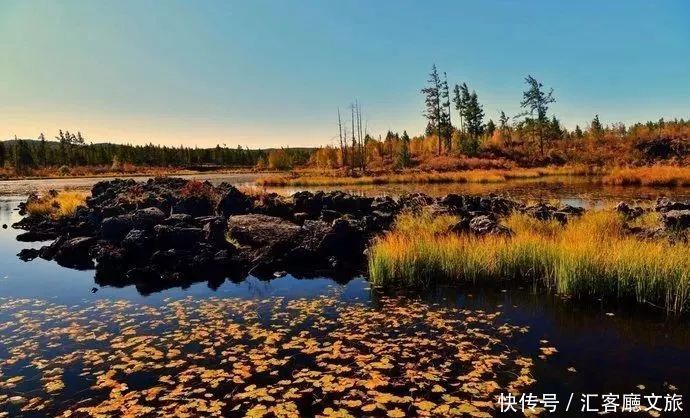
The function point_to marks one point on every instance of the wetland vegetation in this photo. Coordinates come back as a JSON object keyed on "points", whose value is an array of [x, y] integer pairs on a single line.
{"points": [[594, 255]]}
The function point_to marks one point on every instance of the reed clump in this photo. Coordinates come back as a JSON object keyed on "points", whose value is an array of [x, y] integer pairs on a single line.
{"points": [[55, 204], [590, 256]]}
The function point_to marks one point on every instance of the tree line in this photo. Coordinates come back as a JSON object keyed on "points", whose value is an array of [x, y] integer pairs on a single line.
{"points": [[72, 150], [456, 127]]}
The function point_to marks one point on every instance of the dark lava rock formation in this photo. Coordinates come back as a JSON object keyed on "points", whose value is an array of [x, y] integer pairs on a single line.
{"points": [[169, 232]]}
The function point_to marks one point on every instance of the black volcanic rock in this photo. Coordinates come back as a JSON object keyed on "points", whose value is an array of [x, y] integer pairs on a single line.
{"points": [[170, 232]]}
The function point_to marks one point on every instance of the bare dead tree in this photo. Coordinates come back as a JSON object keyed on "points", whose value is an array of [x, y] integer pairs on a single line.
{"points": [[359, 135], [343, 148], [354, 141]]}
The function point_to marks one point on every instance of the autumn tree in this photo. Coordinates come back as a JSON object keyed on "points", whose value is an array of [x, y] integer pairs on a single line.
{"points": [[536, 103], [432, 100]]}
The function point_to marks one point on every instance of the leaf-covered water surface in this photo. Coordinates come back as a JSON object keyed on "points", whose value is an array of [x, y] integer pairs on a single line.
{"points": [[239, 357]]}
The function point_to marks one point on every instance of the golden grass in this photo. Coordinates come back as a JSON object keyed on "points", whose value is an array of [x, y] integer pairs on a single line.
{"points": [[469, 176], [590, 256], [649, 176], [56, 206]]}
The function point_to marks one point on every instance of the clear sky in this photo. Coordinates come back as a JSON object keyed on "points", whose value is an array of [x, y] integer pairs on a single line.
{"points": [[270, 73]]}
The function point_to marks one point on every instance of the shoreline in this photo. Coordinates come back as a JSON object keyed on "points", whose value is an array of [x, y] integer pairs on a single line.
{"points": [[137, 175]]}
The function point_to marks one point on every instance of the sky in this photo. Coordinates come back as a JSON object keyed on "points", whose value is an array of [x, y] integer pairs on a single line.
{"points": [[274, 73]]}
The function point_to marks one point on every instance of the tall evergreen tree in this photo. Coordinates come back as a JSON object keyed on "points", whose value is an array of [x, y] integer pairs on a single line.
{"points": [[490, 128], [536, 102], [433, 103], [597, 129], [457, 101], [42, 151], [446, 125], [23, 159], [404, 156], [504, 127], [578, 132], [474, 115], [555, 130], [461, 99]]}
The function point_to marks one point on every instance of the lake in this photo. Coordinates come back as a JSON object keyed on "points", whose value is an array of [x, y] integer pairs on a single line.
{"points": [[293, 346]]}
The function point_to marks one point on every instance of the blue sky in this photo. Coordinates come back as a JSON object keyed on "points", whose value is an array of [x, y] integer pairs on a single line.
{"points": [[270, 73]]}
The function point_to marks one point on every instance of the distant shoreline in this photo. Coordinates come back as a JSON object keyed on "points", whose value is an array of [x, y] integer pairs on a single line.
{"points": [[150, 173]]}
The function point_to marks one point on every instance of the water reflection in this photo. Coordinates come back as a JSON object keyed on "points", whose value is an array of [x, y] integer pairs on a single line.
{"points": [[577, 191]]}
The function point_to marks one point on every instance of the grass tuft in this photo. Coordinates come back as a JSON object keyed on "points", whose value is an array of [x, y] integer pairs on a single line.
{"points": [[590, 256], [55, 205]]}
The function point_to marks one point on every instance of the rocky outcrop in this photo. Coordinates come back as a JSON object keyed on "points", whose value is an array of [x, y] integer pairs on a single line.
{"points": [[665, 205], [546, 212], [169, 232], [628, 211], [676, 219]]}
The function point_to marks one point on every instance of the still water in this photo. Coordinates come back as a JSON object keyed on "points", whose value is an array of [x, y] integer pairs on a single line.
{"points": [[70, 345]]}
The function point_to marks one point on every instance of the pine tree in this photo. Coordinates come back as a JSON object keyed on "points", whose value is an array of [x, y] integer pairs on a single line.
{"points": [[535, 100], [504, 127], [3, 156], [474, 115], [433, 103], [404, 152], [22, 156], [578, 132], [596, 129], [490, 128], [446, 128], [555, 130], [42, 150], [461, 98]]}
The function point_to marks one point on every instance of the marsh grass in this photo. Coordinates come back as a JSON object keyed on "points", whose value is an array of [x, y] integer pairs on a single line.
{"points": [[468, 176], [669, 176], [55, 205], [591, 256]]}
